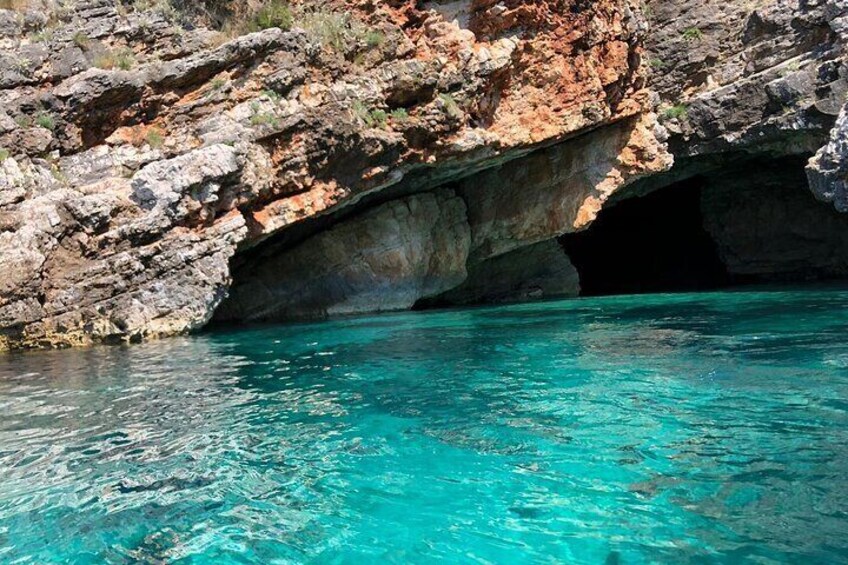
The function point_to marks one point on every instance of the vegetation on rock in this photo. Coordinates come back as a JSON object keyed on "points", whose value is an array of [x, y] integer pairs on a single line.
{"points": [[123, 59], [675, 112]]}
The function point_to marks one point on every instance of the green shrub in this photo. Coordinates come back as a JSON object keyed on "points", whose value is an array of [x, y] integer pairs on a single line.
{"points": [[340, 31], [378, 119], [23, 65], [154, 138], [330, 27], [275, 13], [400, 115], [42, 36], [271, 95], [693, 34], [264, 119], [360, 111], [45, 121], [675, 112], [81, 40], [450, 106], [657, 63], [374, 38], [4, 154], [123, 59], [217, 83], [375, 118], [164, 7]]}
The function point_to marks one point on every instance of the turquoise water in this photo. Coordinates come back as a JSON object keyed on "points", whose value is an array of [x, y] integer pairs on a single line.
{"points": [[706, 428]]}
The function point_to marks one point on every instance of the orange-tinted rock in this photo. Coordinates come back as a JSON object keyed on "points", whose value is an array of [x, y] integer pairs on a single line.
{"points": [[123, 236]]}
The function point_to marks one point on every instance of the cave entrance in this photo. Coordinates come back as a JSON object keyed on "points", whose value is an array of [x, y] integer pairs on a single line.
{"points": [[747, 221], [652, 243]]}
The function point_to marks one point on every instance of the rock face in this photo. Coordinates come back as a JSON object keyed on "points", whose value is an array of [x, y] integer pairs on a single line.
{"points": [[155, 172], [386, 259], [142, 155], [767, 229], [761, 76], [560, 189], [827, 172], [537, 271]]}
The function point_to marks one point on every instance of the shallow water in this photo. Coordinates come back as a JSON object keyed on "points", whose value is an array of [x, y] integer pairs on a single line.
{"points": [[707, 428]]}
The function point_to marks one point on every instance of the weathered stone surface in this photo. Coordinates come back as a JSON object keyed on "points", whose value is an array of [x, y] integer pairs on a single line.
{"points": [[131, 185], [386, 259], [560, 189], [766, 76], [538, 271], [827, 171], [60, 288], [146, 153], [768, 227]]}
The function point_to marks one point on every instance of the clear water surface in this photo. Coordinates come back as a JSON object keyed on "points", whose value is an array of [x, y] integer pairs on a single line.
{"points": [[700, 428]]}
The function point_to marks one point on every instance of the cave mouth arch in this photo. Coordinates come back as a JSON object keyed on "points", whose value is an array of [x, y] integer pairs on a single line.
{"points": [[744, 222], [651, 243]]}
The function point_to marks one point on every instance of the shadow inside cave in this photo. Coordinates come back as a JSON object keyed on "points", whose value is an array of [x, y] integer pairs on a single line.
{"points": [[749, 222], [651, 243]]}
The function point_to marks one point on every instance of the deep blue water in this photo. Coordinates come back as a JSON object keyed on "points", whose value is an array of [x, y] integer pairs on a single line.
{"points": [[708, 428]]}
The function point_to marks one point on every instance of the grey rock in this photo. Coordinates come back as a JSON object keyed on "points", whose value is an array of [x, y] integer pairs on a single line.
{"points": [[534, 272], [827, 171], [769, 227], [182, 186], [387, 259]]}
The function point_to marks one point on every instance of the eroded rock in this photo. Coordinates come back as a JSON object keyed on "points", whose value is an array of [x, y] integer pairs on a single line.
{"points": [[560, 189], [144, 154], [768, 227], [143, 158], [534, 272], [386, 259], [827, 171]]}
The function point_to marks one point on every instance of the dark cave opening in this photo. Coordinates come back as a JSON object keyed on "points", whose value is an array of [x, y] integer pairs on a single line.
{"points": [[748, 221], [652, 243]]}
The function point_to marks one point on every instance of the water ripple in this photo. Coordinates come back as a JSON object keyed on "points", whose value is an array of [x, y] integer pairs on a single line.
{"points": [[676, 428]]}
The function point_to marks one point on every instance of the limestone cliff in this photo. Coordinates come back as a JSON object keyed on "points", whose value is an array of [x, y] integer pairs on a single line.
{"points": [[164, 163]]}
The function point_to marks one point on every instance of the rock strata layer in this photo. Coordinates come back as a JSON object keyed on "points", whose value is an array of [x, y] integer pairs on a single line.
{"points": [[529, 273]]}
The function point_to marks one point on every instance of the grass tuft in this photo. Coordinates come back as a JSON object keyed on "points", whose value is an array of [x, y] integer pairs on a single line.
{"points": [[450, 106], [45, 121], [81, 40], [374, 38], [123, 59], [693, 34], [676, 112], [372, 118], [154, 138], [400, 115], [273, 14]]}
